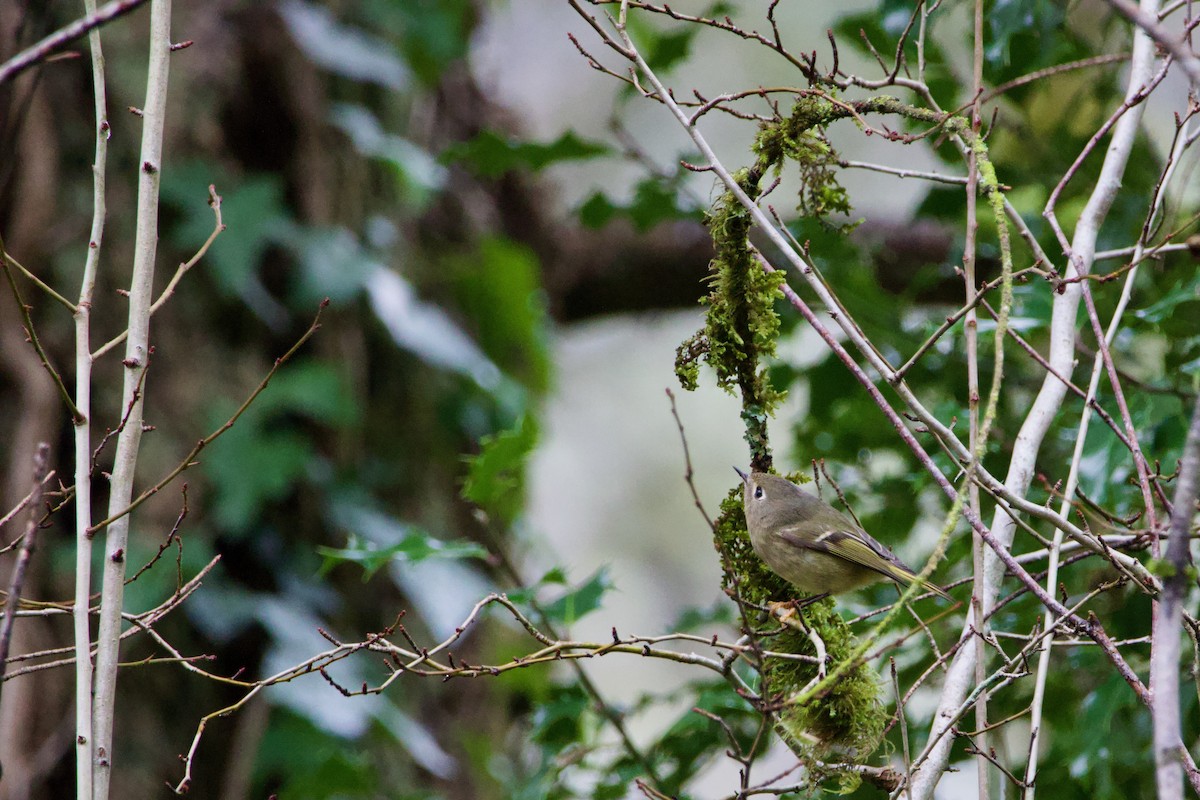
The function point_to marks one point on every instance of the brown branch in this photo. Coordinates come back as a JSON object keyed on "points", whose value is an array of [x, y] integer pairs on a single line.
{"points": [[188, 460], [38, 52], [1057, 69], [1139, 460], [17, 583], [689, 473], [27, 322]]}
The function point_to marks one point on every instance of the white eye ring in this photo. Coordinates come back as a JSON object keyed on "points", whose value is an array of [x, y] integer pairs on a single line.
{"points": [[758, 493]]}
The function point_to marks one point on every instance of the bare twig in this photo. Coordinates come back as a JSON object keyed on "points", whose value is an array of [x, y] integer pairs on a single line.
{"points": [[688, 474], [1057, 69], [31, 334], [17, 581], [189, 460], [45, 287], [24, 502], [38, 52], [1178, 47], [214, 201]]}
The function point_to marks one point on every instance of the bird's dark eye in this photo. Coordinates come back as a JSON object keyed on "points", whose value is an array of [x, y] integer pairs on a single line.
{"points": [[758, 493]]}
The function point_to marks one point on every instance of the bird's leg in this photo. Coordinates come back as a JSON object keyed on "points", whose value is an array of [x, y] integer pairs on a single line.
{"points": [[786, 613], [799, 604]]}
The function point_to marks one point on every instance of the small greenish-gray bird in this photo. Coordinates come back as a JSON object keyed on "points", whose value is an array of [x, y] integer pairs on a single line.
{"points": [[811, 544]]}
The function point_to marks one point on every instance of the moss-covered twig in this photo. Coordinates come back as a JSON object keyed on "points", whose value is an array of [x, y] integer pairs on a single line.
{"points": [[741, 324]]}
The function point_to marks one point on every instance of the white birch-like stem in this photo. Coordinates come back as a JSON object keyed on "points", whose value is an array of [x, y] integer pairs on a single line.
{"points": [[1043, 666], [137, 353], [81, 613], [970, 336], [1049, 398], [1164, 655]]}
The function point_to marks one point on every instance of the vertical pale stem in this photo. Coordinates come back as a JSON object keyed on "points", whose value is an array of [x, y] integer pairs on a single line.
{"points": [[1164, 658], [84, 754], [1043, 667], [137, 353], [971, 332]]}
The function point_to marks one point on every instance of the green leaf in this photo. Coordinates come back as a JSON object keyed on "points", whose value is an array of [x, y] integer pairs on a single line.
{"points": [[435, 34], [496, 477], [580, 601], [1181, 302], [499, 288], [491, 155], [655, 200], [1031, 28], [553, 577], [263, 456], [597, 210], [668, 49], [558, 722], [418, 174], [332, 264], [327, 770], [416, 546], [342, 48], [250, 467]]}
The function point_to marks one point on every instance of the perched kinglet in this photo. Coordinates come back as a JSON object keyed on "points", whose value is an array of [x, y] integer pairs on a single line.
{"points": [[811, 544]]}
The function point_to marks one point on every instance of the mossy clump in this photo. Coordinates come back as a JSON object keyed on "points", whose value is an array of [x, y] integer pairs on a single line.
{"points": [[741, 326], [848, 718], [801, 139]]}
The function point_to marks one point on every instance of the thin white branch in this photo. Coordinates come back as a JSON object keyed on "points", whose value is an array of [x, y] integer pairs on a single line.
{"points": [[1043, 667], [84, 753], [1164, 654], [936, 177], [1179, 47], [137, 354]]}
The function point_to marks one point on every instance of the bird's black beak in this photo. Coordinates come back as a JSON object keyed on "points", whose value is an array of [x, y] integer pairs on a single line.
{"points": [[741, 474]]}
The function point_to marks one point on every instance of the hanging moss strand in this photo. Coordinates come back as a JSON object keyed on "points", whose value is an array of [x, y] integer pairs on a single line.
{"points": [[741, 325]]}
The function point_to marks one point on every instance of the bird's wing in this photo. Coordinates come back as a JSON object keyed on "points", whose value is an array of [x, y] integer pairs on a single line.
{"points": [[862, 549], [852, 545]]}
